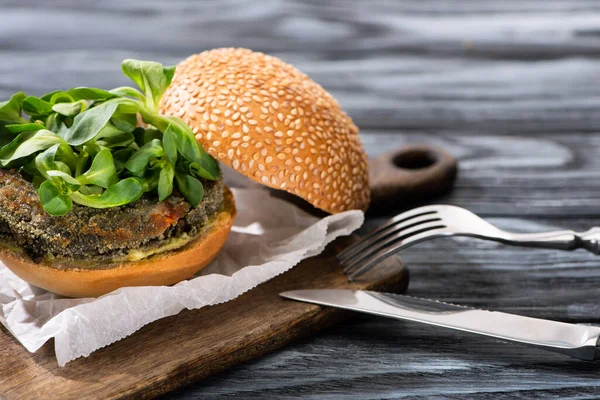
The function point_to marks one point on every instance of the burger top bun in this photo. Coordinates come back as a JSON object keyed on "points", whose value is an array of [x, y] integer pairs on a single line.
{"points": [[272, 123]]}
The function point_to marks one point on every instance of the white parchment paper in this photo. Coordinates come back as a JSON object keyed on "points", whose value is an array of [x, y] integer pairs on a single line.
{"points": [[269, 237]]}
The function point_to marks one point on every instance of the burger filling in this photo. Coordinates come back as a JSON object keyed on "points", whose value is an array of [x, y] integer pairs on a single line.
{"points": [[130, 232]]}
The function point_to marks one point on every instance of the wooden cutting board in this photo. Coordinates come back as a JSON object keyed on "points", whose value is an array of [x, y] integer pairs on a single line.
{"points": [[178, 350]]}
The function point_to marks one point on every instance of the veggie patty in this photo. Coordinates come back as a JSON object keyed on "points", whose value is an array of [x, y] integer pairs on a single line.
{"points": [[92, 233]]}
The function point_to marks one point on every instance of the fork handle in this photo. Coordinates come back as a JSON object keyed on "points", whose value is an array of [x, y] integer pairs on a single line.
{"points": [[562, 240]]}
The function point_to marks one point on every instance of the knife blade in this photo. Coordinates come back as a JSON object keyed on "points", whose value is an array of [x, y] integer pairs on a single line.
{"points": [[579, 341]]}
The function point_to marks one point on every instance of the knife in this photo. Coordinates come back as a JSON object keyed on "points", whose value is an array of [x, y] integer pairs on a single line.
{"points": [[579, 341]]}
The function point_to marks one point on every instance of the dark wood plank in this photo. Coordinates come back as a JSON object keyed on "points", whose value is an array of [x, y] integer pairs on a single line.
{"points": [[192, 345], [518, 68], [544, 176], [375, 358]]}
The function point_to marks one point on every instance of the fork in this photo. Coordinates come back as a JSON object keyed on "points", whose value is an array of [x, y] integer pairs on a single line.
{"points": [[429, 222]]}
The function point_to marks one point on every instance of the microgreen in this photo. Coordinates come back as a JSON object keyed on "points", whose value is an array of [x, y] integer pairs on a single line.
{"points": [[36, 107], [53, 199], [87, 124], [27, 127], [86, 93], [84, 145], [102, 173], [151, 77], [165, 181], [10, 110], [68, 109], [190, 188]]}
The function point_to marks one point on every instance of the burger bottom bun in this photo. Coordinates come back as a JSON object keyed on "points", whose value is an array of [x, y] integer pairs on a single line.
{"points": [[160, 269]]}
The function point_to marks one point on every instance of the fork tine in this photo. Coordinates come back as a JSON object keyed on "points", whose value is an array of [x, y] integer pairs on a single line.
{"points": [[387, 227], [399, 237], [389, 231], [385, 253]]}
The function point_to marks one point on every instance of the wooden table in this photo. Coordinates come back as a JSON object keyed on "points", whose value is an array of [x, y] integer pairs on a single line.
{"points": [[511, 88]]}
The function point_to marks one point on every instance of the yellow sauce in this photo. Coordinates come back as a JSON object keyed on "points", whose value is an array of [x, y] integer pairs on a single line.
{"points": [[172, 244]]}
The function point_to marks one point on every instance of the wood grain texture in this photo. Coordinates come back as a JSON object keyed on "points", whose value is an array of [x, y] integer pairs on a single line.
{"points": [[509, 87], [410, 174], [173, 351], [490, 67], [392, 360]]}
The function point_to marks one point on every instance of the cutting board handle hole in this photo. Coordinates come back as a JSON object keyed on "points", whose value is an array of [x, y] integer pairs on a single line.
{"points": [[408, 175], [414, 159]]}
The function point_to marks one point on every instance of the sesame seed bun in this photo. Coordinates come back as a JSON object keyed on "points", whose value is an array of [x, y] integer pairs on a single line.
{"points": [[167, 268], [272, 123]]}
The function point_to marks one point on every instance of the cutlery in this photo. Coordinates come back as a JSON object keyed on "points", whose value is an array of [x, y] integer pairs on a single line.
{"points": [[579, 341], [429, 222]]}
